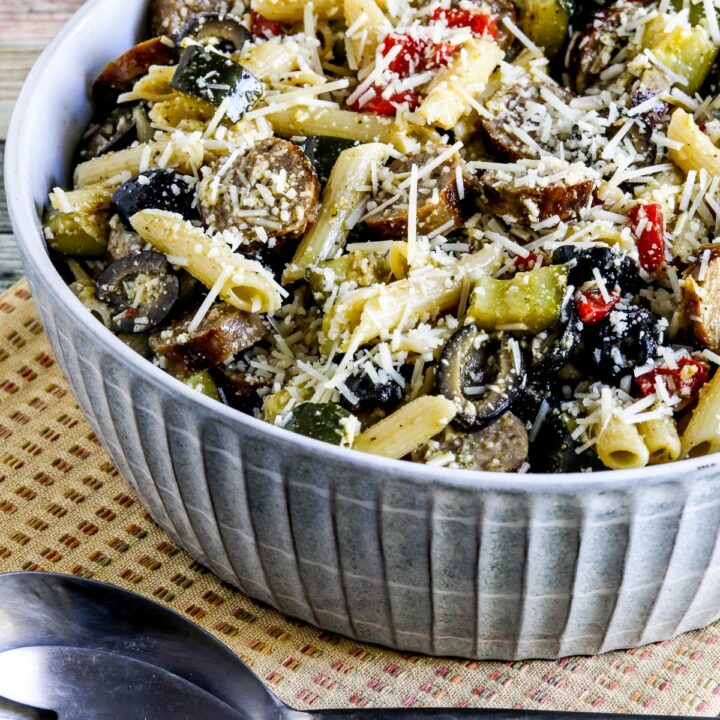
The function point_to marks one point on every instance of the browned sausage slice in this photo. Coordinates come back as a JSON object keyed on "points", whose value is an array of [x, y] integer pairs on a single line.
{"points": [[223, 333], [267, 194], [500, 447], [593, 48], [534, 204], [122, 242], [119, 73], [510, 109], [438, 201], [167, 17], [701, 298]]}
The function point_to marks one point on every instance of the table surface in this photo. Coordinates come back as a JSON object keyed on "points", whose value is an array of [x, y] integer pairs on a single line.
{"points": [[26, 26]]}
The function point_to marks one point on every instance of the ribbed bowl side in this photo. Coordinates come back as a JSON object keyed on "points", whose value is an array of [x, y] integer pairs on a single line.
{"points": [[416, 565]]}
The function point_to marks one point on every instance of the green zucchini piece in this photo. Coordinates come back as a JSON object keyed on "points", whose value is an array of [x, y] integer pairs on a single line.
{"points": [[689, 52], [203, 382], [322, 421], [323, 151], [362, 268], [214, 78], [79, 234], [529, 302], [546, 22]]}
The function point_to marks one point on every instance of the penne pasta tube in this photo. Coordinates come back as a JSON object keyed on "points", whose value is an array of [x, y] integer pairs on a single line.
{"points": [[246, 284], [464, 78], [328, 233], [293, 10], [364, 127], [661, 439], [366, 313], [154, 86], [373, 26], [620, 445], [180, 152], [702, 434], [407, 428], [270, 58], [697, 151]]}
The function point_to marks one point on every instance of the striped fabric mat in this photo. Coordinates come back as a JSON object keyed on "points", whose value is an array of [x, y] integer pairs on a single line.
{"points": [[64, 508]]}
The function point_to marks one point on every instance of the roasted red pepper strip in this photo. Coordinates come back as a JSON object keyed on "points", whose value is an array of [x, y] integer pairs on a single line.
{"points": [[592, 306], [648, 226], [685, 382], [479, 23], [416, 54], [263, 27], [387, 106]]}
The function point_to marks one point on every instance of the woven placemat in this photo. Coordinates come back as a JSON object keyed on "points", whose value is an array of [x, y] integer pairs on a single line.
{"points": [[64, 508]]}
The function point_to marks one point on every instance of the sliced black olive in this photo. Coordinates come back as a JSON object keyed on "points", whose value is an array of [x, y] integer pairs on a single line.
{"points": [[239, 388], [371, 395], [115, 132], [156, 189], [470, 359], [615, 268], [554, 451], [226, 28], [628, 337], [140, 291], [551, 350]]}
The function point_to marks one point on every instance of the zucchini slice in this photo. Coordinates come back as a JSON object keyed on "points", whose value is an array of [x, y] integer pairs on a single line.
{"points": [[528, 302], [214, 79], [328, 422], [546, 22], [323, 151]]}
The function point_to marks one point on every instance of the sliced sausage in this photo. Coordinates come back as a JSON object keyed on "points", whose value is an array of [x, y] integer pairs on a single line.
{"points": [[438, 200], [223, 332], [119, 74], [269, 194], [533, 204], [122, 242], [701, 299], [510, 108], [593, 47], [167, 17], [500, 447], [502, 9], [651, 83]]}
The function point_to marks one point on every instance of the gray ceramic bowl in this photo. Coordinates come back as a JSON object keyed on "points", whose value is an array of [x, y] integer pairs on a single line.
{"points": [[432, 560]]}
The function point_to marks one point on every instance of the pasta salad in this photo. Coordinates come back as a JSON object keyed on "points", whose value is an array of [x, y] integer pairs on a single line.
{"points": [[477, 234]]}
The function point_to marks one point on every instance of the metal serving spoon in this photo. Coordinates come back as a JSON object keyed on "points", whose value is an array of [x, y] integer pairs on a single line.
{"points": [[75, 649]]}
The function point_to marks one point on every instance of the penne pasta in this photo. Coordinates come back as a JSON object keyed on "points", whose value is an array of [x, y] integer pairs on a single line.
{"points": [[341, 197], [371, 26], [697, 151], [407, 428], [661, 439], [247, 285], [702, 434], [620, 445], [364, 127], [365, 314], [179, 152], [465, 77]]}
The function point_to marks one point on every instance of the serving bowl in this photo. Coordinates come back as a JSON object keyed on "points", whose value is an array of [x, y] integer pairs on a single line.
{"points": [[434, 560]]}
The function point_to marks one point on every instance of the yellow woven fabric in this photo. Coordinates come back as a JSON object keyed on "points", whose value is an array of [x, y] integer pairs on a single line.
{"points": [[64, 508]]}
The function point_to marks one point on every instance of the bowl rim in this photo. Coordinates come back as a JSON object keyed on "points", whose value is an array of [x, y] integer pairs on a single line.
{"points": [[28, 234]]}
